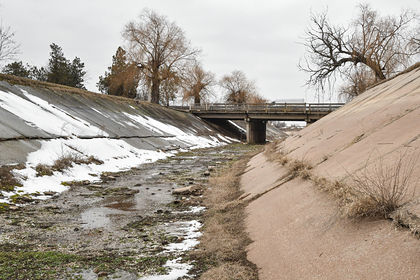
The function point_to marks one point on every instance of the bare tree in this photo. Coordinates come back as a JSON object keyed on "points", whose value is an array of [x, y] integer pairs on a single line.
{"points": [[8, 47], [385, 44], [197, 83], [238, 88], [256, 98], [156, 44], [355, 83]]}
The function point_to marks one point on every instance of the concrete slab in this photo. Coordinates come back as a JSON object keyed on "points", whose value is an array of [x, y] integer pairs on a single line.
{"points": [[295, 227], [297, 235], [13, 152]]}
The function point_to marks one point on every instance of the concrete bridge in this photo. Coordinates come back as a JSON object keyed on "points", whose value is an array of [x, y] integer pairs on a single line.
{"points": [[256, 115]]}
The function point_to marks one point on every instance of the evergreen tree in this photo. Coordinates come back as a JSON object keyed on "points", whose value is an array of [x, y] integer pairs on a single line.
{"points": [[59, 70], [17, 69], [122, 77], [62, 71]]}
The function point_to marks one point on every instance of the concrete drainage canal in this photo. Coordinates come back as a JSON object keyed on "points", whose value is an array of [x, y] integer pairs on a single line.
{"points": [[137, 224]]}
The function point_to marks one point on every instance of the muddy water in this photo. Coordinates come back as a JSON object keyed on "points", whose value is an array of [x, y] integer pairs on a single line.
{"points": [[154, 184], [131, 216]]}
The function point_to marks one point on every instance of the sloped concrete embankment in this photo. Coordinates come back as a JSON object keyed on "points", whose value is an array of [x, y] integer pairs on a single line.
{"points": [[29, 113], [297, 228]]}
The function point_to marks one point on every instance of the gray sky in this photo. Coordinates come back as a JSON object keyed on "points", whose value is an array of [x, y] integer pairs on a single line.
{"points": [[258, 37]]}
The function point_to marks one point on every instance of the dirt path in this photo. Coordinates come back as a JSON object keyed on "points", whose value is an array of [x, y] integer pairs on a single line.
{"points": [[128, 225]]}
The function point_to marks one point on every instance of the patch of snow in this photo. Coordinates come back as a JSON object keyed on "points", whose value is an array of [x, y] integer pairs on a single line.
{"points": [[190, 231], [177, 270], [196, 209], [116, 154], [37, 112], [238, 127], [109, 117], [190, 140]]}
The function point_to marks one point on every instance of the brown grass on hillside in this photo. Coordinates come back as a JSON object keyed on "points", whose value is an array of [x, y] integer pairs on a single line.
{"points": [[377, 190], [276, 152], [221, 253], [65, 89]]}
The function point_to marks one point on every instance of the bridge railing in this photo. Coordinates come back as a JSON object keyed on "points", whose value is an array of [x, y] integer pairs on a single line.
{"points": [[264, 107]]}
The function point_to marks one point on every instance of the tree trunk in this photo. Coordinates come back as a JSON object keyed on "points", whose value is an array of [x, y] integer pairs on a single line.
{"points": [[155, 91], [375, 66], [197, 99]]}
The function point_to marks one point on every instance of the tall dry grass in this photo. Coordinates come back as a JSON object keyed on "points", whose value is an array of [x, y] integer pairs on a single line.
{"points": [[221, 253], [380, 188], [64, 162]]}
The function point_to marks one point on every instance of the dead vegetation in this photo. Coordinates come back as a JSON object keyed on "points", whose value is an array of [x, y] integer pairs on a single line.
{"points": [[221, 253], [65, 162], [276, 152], [376, 190], [8, 180], [380, 188]]}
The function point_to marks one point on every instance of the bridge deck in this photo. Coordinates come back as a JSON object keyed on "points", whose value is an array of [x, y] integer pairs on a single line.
{"points": [[264, 111]]}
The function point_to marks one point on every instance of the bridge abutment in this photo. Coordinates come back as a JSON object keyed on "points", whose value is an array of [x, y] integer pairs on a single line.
{"points": [[256, 131]]}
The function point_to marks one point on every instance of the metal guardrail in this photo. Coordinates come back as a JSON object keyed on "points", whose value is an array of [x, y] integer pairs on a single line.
{"points": [[305, 108]]}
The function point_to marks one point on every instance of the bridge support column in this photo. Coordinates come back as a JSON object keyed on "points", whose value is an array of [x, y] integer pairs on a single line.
{"points": [[256, 131]]}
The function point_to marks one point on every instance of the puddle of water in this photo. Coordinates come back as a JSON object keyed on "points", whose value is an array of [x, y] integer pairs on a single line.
{"points": [[95, 218], [90, 275], [124, 206], [100, 217]]}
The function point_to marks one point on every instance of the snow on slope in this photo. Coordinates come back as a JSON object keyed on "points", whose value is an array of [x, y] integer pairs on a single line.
{"points": [[116, 154], [37, 112]]}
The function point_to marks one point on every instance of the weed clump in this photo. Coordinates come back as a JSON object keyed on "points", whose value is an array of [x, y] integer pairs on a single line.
{"points": [[299, 168], [380, 189], [8, 180], [65, 162], [43, 170]]}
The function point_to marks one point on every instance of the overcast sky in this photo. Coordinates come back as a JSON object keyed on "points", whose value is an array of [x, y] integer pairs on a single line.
{"points": [[259, 37]]}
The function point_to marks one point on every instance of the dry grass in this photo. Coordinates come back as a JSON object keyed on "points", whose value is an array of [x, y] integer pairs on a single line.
{"points": [[221, 253], [379, 189], [8, 181], [276, 152], [43, 170], [229, 271], [65, 162], [299, 168], [376, 190]]}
